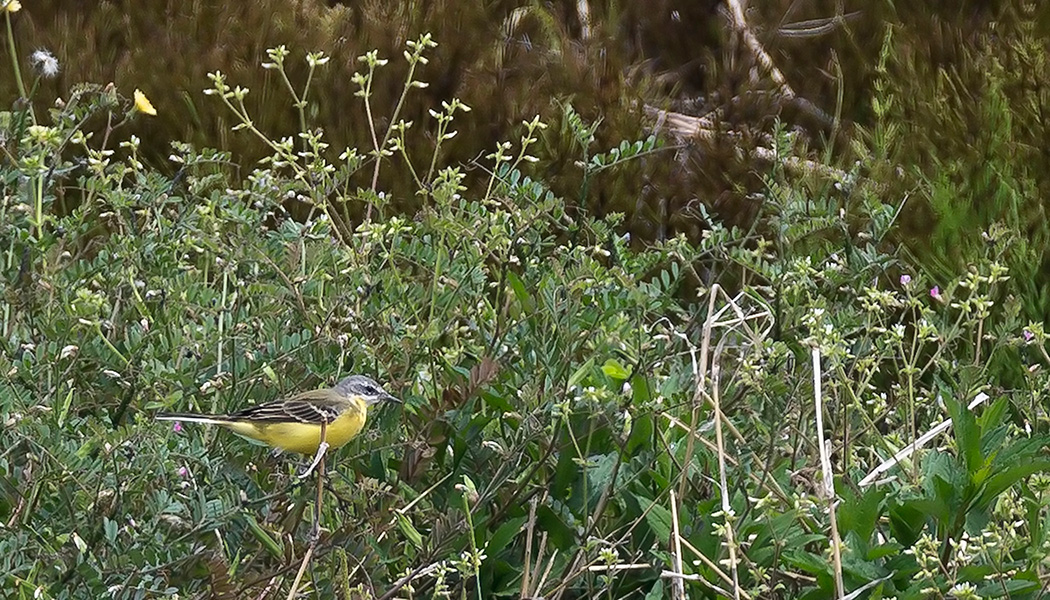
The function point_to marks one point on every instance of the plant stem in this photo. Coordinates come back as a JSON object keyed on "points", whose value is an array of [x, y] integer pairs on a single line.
{"points": [[14, 57]]}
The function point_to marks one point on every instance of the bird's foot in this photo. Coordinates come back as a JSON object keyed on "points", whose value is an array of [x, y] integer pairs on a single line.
{"points": [[321, 449]]}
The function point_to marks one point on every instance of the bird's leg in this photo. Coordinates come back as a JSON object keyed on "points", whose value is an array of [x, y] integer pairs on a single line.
{"points": [[321, 449]]}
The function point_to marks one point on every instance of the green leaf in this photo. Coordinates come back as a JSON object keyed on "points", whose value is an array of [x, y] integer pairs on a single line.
{"points": [[614, 369], [518, 287], [504, 535], [907, 522], [111, 529], [562, 536], [657, 517], [967, 434], [807, 561], [640, 390], [410, 531], [601, 470], [641, 433], [272, 546], [993, 415], [861, 515], [1002, 480], [581, 373], [657, 593], [497, 401], [63, 410]]}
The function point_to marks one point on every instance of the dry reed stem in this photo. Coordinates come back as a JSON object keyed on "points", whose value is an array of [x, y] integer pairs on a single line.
{"points": [[624, 567], [679, 577], [827, 473], [700, 368], [688, 127], [714, 397], [530, 531], [921, 441], [315, 531], [400, 583], [677, 585], [736, 11], [770, 485], [550, 565], [714, 567], [723, 482], [536, 569]]}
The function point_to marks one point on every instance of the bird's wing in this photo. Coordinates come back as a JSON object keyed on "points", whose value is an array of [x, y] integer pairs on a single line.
{"points": [[314, 407]]}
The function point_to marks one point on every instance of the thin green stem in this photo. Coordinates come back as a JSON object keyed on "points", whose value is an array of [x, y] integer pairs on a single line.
{"points": [[393, 119], [300, 103], [404, 154], [442, 129], [38, 197], [112, 348], [475, 557], [14, 57], [10, 261], [222, 320], [242, 114]]}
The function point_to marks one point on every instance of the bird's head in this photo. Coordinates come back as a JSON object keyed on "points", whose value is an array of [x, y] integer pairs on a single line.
{"points": [[365, 388]]}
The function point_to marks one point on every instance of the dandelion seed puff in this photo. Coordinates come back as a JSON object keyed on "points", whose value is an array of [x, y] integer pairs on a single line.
{"points": [[45, 63]]}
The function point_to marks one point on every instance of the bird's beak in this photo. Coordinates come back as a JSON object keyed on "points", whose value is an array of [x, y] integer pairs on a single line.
{"points": [[391, 398]]}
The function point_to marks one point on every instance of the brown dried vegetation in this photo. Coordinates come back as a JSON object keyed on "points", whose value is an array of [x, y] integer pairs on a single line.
{"points": [[512, 60]]}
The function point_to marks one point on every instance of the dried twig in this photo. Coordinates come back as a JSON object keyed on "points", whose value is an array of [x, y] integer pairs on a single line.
{"points": [[677, 584], [530, 530], [713, 397], [828, 474], [736, 12], [921, 441], [315, 531]]}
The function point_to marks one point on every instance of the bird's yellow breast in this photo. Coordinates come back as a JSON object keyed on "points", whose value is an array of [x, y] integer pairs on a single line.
{"points": [[304, 437]]}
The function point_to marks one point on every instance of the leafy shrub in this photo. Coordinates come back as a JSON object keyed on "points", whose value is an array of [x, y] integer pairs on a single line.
{"points": [[582, 419]]}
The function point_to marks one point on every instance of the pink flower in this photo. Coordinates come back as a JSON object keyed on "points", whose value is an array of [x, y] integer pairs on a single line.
{"points": [[935, 292], [905, 279], [183, 471], [1028, 335], [177, 427]]}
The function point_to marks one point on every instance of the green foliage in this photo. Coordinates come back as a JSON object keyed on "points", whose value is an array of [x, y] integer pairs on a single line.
{"points": [[966, 139], [581, 418]]}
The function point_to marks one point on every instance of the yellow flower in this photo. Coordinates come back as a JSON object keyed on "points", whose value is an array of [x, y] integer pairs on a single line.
{"points": [[143, 105], [13, 6]]}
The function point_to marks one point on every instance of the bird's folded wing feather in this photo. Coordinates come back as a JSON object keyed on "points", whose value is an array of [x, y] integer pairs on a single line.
{"points": [[309, 407]]}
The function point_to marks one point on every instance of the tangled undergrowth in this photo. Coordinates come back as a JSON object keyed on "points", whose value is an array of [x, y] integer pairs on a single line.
{"points": [[759, 414]]}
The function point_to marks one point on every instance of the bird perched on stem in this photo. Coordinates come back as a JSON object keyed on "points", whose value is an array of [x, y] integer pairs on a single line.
{"points": [[294, 424]]}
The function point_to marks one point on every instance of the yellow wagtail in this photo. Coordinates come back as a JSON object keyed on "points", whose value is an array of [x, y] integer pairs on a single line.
{"points": [[294, 424]]}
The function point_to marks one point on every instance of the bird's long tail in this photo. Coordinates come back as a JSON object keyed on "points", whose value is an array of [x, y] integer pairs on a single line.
{"points": [[192, 418]]}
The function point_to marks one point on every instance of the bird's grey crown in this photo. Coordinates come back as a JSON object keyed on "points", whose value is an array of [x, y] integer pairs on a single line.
{"points": [[360, 385]]}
